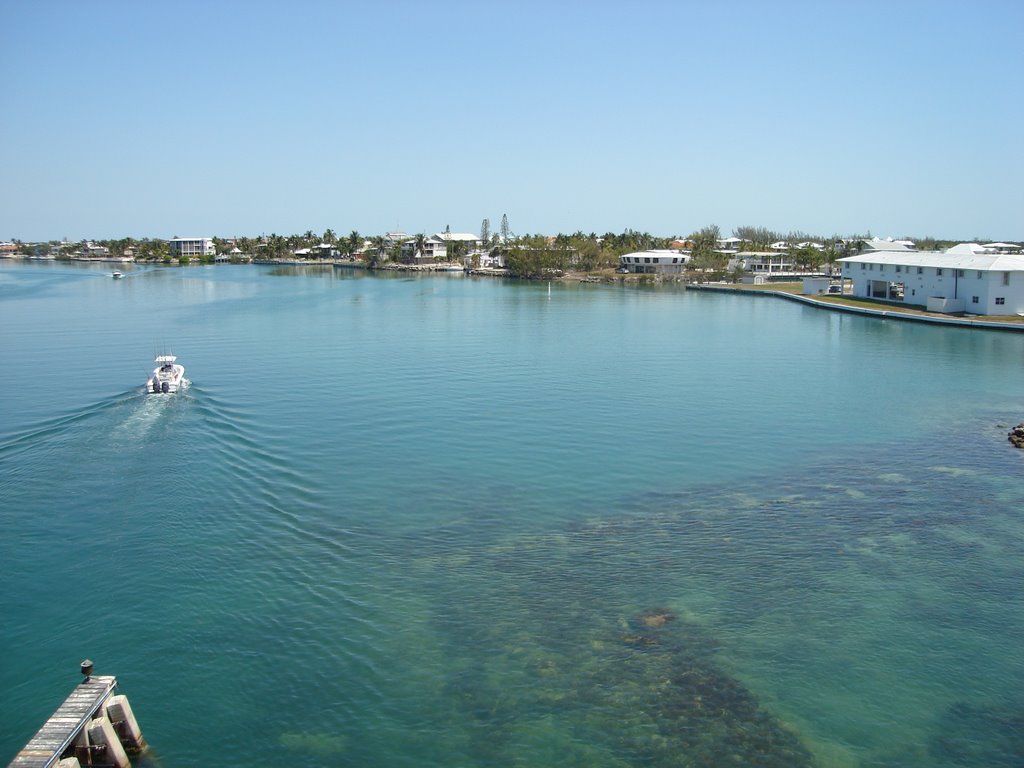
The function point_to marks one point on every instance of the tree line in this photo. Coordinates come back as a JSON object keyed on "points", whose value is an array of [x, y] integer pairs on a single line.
{"points": [[526, 255]]}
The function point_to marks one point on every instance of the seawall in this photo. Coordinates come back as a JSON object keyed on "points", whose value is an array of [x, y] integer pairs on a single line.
{"points": [[890, 314]]}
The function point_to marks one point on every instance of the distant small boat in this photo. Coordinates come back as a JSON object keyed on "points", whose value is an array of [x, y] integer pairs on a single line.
{"points": [[117, 275], [168, 376]]}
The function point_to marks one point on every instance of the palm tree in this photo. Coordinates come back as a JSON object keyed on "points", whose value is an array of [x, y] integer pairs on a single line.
{"points": [[378, 251], [420, 246], [354, 241], [277, 246], [456, 250]]}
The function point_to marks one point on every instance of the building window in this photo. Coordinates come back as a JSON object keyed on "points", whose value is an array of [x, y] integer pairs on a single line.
{"points": [[863, 265], [899, 268], [959, 273], [974, 299], [647, 259], [920, 270], [938, 271], [655, 259], [1006, 278], [675, 260], [1000, 300], [979, 274], [871, 267]]}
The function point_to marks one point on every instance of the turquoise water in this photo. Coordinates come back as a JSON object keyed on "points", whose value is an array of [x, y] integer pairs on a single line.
{"points": [[455, 521]]}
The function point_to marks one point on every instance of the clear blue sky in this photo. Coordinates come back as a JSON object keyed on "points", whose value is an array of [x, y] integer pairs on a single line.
{"points": [[223, 118]]}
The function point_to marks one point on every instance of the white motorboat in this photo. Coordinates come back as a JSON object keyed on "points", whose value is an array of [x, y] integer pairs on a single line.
{"points": [[168, 376], [117, 275]]}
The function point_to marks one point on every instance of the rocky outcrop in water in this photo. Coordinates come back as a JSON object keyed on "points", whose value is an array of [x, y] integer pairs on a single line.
{"points": [[1016, 435]]}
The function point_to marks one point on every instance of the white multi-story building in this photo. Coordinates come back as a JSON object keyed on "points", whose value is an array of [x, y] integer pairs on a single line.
{"points": [[654, 262], [192, 247], [436, 248], [967, 278], [766, 262]]}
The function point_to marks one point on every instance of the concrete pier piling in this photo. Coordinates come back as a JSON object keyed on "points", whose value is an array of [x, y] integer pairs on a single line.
{"points": [[104, 743], [120, 713], [93, 727]]}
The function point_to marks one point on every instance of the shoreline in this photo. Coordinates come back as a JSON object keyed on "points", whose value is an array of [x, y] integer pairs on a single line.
{"points": [[893, 314]]}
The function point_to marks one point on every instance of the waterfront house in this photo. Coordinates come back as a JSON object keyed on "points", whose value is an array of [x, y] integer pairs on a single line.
{"points": [[771, 263], [192, 247], [439, 246], [968, 278], [489, 259], [96, 251], [433, 250], [471, 241], [654, 262]]}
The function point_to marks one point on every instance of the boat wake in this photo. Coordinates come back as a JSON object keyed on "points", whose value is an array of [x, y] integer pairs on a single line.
{"points": [[126, 418], [58, 428], [145, 413]]}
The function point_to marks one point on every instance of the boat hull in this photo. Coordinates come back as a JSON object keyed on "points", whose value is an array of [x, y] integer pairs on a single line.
{"points": [[166, 380]]}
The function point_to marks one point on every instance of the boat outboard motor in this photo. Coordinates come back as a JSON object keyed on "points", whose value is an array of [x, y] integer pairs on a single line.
{"points": [[164, 387], [156, 385]]}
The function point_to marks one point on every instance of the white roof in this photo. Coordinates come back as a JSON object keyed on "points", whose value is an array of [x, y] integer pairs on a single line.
{"points": [[953, 259], [969, 248], [1003, 245], [654, 252], [463, 236], [877, 244]]}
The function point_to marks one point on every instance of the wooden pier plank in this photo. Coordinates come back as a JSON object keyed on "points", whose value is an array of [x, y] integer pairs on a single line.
{"points": [[59, 731]]}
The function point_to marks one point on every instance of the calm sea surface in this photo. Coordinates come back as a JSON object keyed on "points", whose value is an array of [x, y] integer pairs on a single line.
{"points": [[445, 521]]}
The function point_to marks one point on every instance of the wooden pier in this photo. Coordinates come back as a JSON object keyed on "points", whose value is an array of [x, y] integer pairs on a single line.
{"points": [[93, 727]]}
